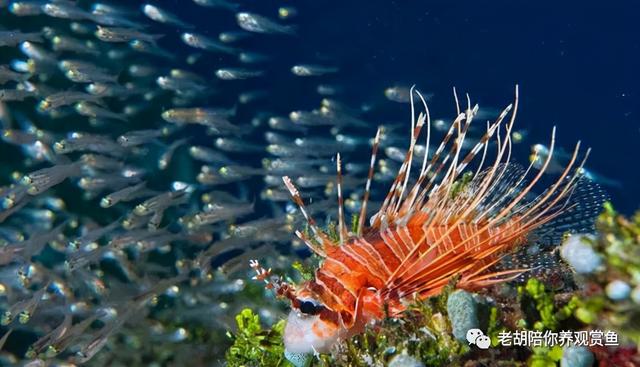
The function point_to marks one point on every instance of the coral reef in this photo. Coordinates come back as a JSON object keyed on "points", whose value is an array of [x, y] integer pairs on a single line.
{"points": [[604, 299]]}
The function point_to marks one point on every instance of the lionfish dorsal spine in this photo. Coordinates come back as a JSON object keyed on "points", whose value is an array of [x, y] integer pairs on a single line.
{"points": [[320, 236], [367, 188], [342, 230]]}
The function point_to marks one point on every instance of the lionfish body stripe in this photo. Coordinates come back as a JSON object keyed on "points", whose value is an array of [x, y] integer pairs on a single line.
{"points": [[446, 225]]}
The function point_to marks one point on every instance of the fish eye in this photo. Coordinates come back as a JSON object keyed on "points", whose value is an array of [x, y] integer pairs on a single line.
{"points": [[310, 307]]}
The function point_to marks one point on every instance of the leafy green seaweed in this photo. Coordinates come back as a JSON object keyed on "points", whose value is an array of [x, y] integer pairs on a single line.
{"points": [[255, 346]]}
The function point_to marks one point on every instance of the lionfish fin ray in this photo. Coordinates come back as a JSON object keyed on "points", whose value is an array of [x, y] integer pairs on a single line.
{"points": [[295, 195], [367, 188], [468, 233], [318, 250], [342, 230]]}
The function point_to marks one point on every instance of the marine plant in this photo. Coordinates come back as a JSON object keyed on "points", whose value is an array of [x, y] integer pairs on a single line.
{"points": [[425, 334]]}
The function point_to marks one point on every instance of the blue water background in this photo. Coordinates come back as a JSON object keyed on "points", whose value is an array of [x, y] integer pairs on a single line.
{"points": [[576, 64]]}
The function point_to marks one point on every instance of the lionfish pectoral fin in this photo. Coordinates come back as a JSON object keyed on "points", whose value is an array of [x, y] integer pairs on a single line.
{"points": [[367, 307], [467, 232], [485, 280], [318, 250]]}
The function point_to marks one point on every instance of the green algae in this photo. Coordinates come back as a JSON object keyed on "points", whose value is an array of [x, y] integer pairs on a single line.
{"points": [[255, 346], [424, 330], [548, 313]]}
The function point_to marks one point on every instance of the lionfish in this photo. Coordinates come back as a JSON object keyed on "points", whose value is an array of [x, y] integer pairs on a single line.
{"points": [[423, 236]]}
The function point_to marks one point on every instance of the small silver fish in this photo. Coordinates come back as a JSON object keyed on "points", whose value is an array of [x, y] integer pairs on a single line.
{"points": [[150, 48], [43, 58], [93, 235], [165, 158], [66, 10], [41, 180], [204, 43], [58, 344], [196, 115], [23, 309], [312, 70], [233, 36], [81, 28], [40, 346], [253, 227], [126, 194], [402, 94], [15, 95], [214, 213], [182, 84], [328, 90], [163, 16], [85, 72], [256, 23], [70, 44], [237, 73], [247, 57], [110, 89], [252, 96], [66, 98], [285, 124], [138, 137], [19, 137], [287, 12], [100, 162], [208, 155], [161, 202], [237, 145], [92, 110], [95, 184], [114, 34], [142, 71], [78, 141], [15, 37], [290, 166], [8, 75], [26, 8], [227, 174]]}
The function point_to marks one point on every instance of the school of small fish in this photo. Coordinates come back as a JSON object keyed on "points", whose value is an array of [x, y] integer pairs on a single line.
{"points": [[132, 198]]}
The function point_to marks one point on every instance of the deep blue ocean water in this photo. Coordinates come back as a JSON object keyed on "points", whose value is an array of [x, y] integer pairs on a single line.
{"points": [[576, 64]]}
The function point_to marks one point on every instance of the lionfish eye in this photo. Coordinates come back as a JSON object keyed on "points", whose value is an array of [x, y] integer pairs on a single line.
{"points": [[310, 308]]}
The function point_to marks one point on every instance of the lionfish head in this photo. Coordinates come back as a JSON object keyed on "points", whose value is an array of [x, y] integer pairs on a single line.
{"points": [[311, 326]]}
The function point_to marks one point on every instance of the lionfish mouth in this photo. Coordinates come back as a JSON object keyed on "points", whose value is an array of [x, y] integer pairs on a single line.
{"points": [[305, 334]]}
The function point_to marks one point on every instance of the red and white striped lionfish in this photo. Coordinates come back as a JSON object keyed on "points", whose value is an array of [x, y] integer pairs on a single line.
{"points": [[424, 235]]}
